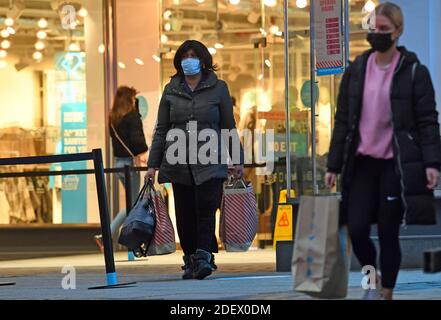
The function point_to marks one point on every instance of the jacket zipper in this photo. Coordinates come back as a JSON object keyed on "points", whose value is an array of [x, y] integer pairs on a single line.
{"points": [[400, 168]]}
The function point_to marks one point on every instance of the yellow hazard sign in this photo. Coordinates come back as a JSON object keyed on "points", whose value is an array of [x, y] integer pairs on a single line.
{"points": [[283, 227], [283, 194]]}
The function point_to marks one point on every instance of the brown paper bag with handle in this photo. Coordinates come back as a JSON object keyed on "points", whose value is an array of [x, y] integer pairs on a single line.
{"points": [[321, 256]]}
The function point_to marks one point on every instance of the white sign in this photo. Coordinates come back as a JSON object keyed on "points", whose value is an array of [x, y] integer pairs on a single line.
{"points": [[328, 17]]}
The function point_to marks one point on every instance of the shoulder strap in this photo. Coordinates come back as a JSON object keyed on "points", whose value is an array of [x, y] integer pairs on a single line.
{"points": [[122, 142], [414, 66]]}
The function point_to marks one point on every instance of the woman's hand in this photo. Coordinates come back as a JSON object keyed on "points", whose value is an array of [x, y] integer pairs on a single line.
{"points": [[143, 158], [236, 171], [330, 179], [150, 175], [432, 178]]}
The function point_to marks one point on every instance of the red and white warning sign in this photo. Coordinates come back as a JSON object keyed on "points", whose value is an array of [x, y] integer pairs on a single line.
{"points": [[328, 37]]}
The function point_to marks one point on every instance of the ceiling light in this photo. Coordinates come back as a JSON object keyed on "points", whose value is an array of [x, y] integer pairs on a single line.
{"points": [[9, 22], [167, 26], [74, 47], [268, 63], [42, 23], [41, 35], [11, 30], [39, 45], [274, 29], [5, 44], [121, 65], [83, 12], [164, 38], [3, 54], [37, 55], [270, 3], [369, 6], [301, 4], [4, 33], [200, 1], [139, 61], [167, 14], [156, 58], [234, 2], [212, 50], [218, 45], [101, 48]]}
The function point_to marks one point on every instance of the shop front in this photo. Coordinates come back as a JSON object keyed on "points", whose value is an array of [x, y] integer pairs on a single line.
{"points": [[61, 61]]}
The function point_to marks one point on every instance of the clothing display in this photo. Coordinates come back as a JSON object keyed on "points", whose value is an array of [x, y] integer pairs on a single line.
{"points": [[25, 199]]}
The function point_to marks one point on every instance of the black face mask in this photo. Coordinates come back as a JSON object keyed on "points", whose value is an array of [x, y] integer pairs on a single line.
{"points": [[380, 41]]}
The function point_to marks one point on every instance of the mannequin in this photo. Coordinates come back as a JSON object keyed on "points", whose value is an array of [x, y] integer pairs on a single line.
{"points": [[323, 121]]}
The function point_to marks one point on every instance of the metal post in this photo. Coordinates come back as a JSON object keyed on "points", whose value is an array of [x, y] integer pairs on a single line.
{"points": [[105, 222], [104, 216], [346, 30], [287, 118], [313, 109], [128, 189]]}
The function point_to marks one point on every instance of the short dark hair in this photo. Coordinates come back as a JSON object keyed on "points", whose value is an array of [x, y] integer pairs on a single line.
{"points": [[201, 52]]}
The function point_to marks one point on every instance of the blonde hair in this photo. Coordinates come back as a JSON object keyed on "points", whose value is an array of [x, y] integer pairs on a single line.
{"points": [[393, 12]]}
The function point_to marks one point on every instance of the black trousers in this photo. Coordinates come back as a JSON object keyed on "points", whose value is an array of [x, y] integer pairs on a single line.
{"points": [[374, 197], [195, 208]]}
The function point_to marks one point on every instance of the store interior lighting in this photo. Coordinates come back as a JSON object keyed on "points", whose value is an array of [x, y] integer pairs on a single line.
{"points": [[3, 54], [5, 44], [83, 12], [42, 23], [270, 3], [139, 61], [37, 55], [4, 33], [11, 30], [301, 4], [234, 2], [41, 35], [369, 6], [39, 45]]}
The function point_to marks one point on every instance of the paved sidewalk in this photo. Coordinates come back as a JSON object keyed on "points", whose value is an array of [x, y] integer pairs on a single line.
{"points": [[244, 276]]}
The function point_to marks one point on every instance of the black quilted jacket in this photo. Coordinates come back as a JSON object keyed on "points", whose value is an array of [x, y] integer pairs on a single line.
{"points": [[416, 132]]}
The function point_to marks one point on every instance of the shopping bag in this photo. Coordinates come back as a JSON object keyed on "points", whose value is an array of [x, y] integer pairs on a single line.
{"points": [[163, 241], [321, 257], [138, 228], [238, 219]]}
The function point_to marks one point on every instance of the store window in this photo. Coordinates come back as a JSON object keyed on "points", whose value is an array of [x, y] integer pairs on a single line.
{"points": [[246, 40], [52, 102]]}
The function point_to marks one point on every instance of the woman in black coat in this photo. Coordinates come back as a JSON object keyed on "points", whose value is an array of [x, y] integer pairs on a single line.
{"points": [[129, 145], [193, 102], [386, 145]]}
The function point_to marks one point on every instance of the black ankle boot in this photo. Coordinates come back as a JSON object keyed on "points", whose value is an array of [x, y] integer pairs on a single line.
{"points": [[187, 267], [201, 264], [213, 264]]}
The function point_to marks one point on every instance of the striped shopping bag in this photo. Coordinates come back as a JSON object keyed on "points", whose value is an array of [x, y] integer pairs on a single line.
{"points": [[163, 240], [238, 220]]}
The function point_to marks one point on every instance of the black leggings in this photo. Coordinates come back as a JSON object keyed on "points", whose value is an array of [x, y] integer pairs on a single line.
{"points": [[374, 197], [195, 208]]}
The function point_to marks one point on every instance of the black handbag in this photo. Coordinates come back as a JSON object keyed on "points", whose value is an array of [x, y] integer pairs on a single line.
{"points": [[139, 226]]}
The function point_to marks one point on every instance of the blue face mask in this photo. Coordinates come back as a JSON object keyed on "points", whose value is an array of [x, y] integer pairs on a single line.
{"points": [[191, 66]]}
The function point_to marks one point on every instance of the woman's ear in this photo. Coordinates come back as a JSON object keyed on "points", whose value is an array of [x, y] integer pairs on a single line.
{"points": [[398, 33]]}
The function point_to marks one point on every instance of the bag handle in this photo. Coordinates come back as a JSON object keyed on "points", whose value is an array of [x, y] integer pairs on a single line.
{"points": [[233, 182], [141, 193], [122, 142]]}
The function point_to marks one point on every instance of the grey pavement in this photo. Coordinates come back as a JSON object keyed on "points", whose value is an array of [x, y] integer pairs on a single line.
{"points": [[241, 276]]}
